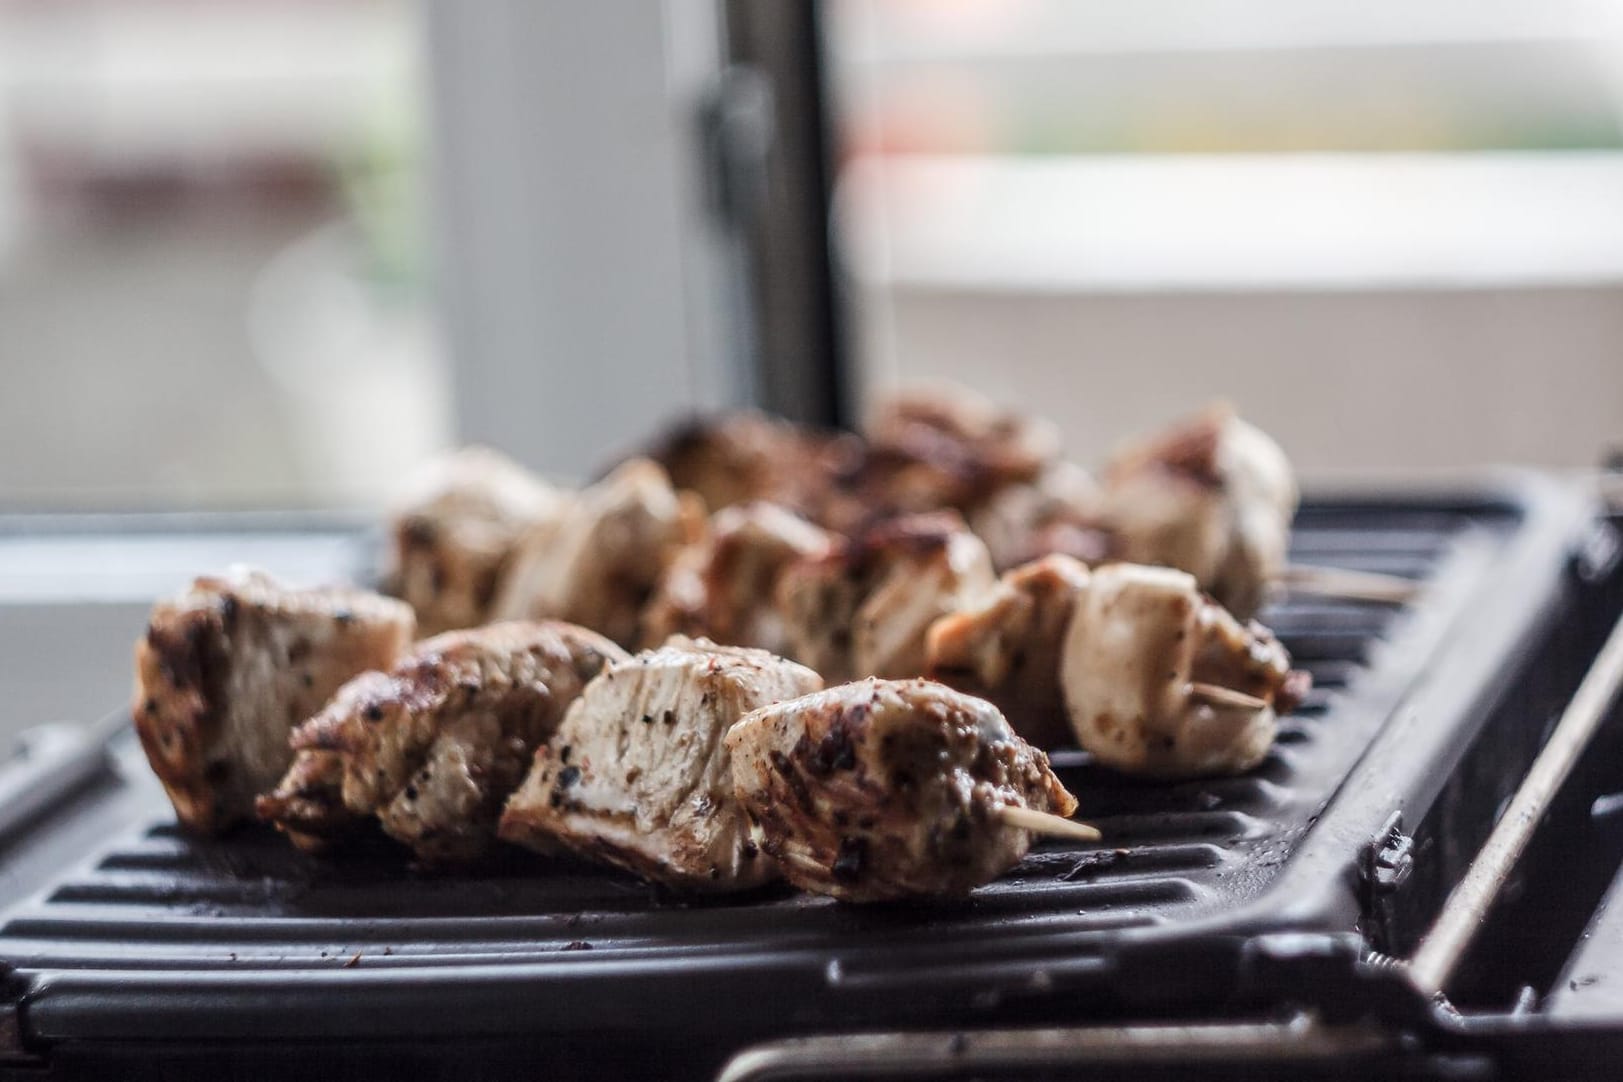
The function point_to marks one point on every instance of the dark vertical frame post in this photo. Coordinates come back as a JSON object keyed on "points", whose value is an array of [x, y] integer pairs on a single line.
{"points": [[800, 351]]}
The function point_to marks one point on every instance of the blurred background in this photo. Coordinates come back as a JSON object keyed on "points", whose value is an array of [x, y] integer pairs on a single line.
{"points": [[272, 254]]}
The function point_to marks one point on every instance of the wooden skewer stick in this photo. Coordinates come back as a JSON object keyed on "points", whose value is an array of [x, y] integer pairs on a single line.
{"points": [[1040, 822], [1354, 585], [1221, 696]]}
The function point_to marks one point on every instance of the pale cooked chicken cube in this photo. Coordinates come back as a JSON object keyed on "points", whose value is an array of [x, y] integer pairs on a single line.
{"points": [[228, 668], [1214, 497], [889, 789], [865, 608], [434, 747], [452, 535], [1007, 648], [598, 564], [1141, 644], [722, 588], [638, 775]]}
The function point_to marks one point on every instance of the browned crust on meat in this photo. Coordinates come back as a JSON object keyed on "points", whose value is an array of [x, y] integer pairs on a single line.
{"points": [[623, 808], [228, 668], [510, 682], [308, 804], [180, 669], [866, 800], [1007, 650]]}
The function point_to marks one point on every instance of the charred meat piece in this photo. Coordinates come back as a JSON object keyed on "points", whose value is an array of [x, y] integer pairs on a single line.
{"points": [[228, 668], [722, 588], [452, 536], [1213, 497], [598, 564], [941, 448], [435, 746], [889, 789], [864, 608], [747, 456], [1007, 648], [1143, 650], [638, 774]]}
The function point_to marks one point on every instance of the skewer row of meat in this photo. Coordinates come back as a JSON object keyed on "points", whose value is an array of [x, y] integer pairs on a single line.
{"points": [[686, 763], [481, 539], [672, 763]]}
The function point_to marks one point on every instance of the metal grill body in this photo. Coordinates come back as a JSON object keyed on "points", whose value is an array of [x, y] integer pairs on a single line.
{"points": [[117, 928]]}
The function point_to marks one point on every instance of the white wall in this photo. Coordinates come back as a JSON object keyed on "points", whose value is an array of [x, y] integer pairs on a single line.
{"points": [[1376, 313]]}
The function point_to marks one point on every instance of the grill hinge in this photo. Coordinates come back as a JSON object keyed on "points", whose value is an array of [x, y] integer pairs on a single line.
{"points": [[1385, 864]]}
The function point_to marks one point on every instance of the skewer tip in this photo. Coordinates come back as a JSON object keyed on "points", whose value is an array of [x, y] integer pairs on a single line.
{"points": [[1222, 696], [1351, 585], [1041, 822]]}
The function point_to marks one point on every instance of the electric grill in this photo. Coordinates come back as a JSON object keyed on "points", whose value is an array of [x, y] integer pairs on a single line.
{"points": [[1235, 924]]}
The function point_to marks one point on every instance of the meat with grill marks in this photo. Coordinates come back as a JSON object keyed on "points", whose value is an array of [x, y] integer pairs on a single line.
{"points": [[722, 588], [865, 607], [598, 563], [638, 775], [1143, 655], [883, 789], [1213, 496], [434, 747], [453, 534], [1007, 648], [228, 668]]}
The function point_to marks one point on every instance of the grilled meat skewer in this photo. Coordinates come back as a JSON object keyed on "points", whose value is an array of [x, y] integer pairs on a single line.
{"points": [[883, 789], [942, 448], [435, 746], [722, 588], [638, 774], [864, 607], [1007, 648], [1144, 651], [1214, 497], [228, 668], [745, 456], [598, 564], [453, 535]]}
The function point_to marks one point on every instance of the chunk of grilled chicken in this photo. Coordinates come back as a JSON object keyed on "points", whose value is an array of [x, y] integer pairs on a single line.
{"points": [[889, 789], [1214, 497], [599, 562], [1006, 649], [434, 747], [228, 668], [865, 607], [1057, 514], [746, 456], [722, 587], [947, 447], [638, 775], [308, 803], [452, 535], [1140, 642]]}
